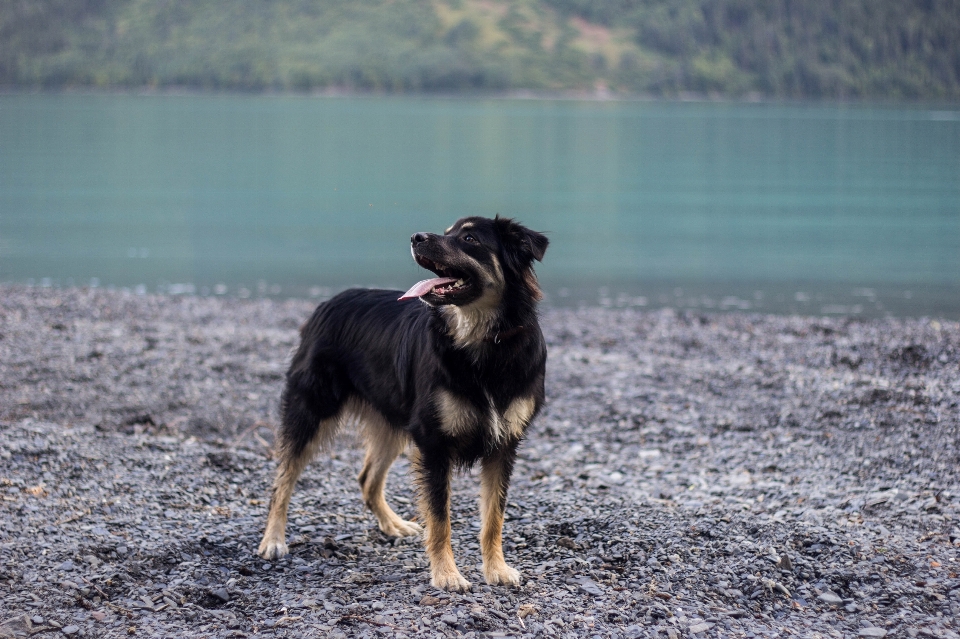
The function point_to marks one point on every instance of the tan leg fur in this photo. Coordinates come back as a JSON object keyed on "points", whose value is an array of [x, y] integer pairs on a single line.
{"points": [[273, 545], [493, 501], [383, 446], [444, 573]]}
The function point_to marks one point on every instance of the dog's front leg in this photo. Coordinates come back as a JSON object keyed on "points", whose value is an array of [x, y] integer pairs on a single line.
{"points": [[494, 481], [433, 472]]}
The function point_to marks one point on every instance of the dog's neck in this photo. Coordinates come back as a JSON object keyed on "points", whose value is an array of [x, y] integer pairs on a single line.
{"points": [[469, 325], [502, 336]]}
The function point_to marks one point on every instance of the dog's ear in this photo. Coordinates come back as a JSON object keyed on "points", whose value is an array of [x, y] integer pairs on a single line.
{"points": [[537, 243], [530, 243]]}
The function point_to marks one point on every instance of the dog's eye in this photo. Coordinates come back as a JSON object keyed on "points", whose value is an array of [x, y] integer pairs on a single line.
{"points": [[470, 238]]}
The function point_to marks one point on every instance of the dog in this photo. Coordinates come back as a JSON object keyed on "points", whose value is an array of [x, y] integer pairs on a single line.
{"points": [[454, 366]]}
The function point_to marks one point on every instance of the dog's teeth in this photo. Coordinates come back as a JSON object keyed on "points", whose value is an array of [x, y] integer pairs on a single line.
{"points": [[459, 283]]}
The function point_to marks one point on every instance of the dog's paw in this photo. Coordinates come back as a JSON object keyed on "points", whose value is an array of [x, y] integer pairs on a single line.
{"points": [[452, 581], [502, 575], [401, 528], [272, 548]]}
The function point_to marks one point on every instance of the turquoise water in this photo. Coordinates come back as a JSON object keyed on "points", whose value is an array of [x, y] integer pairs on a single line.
{"points": [[810, 208]]}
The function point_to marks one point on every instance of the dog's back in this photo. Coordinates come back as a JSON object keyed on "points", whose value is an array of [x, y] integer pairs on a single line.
{"points": [[360, 343]]}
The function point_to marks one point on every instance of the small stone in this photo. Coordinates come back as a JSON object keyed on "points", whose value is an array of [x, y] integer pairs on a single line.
{"points": [[830, 598], [37, 619], [429, 600], [872, 632], [391, 578], [67, 565], [590, 588], [785, 563], [70, 630], [16, 627], [700, 627], [221, 594], [98, 615], [566, 542], [450, 620], [526, 610]]}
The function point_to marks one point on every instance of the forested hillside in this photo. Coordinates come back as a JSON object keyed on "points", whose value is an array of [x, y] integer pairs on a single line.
{"points": [[899, 49]]}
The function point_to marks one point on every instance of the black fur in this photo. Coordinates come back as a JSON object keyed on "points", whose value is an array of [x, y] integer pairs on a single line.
{"points": [[395, 355]]}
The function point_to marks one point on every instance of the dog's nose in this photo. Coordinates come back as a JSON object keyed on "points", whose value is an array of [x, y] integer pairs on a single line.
{"points": [[417, 238]]}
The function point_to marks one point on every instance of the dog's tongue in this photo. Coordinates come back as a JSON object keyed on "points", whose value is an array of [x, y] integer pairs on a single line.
{"points": [[423, 287]]}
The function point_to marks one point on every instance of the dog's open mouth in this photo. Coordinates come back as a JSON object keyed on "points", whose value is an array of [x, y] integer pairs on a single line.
{"points": [[450, 282]]}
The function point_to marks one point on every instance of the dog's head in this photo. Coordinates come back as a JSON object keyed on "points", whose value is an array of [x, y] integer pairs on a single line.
{"points": [[478, 261]]}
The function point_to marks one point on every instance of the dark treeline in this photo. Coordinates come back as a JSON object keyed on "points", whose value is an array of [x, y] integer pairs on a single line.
{"points": [[899, 49], [789, 48]]}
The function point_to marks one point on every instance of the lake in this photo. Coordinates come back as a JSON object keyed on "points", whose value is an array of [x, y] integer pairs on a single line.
{"points": [[833, 209]]}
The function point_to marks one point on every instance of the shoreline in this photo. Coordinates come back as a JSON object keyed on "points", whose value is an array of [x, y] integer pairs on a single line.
{"points": [[733, 475], [509, 95], [782, 299]]}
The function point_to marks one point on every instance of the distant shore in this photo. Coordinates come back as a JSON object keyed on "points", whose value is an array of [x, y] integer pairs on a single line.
{"points": [[950, 107]]}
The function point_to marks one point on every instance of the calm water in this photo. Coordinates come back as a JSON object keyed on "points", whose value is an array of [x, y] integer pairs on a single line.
{"points": [[817, 209]]}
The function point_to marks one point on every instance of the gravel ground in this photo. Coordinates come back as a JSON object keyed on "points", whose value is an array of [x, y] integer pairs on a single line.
{"points": [[691, 476]]}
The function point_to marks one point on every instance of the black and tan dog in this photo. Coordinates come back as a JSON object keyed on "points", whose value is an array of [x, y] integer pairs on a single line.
{"points": [[459, 375]]}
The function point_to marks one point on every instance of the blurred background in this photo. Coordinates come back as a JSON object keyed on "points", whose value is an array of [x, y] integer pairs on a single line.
{"points": [[711, 154]]}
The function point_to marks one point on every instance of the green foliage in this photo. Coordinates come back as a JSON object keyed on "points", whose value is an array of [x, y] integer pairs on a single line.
{"points": [[789, 48], [779, 48]]}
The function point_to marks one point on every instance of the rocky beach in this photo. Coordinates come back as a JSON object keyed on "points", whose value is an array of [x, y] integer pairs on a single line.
{"points": [[692, 475]]}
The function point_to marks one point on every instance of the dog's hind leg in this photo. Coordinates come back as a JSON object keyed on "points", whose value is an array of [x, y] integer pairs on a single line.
{"points": [[384, 444], [308, 424], [494, 480]]}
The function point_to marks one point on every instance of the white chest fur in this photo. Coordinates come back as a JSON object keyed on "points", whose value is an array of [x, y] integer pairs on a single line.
{"points": [[459, 418]]}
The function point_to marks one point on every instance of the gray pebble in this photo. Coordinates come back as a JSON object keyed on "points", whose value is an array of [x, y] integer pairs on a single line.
{"points": [[848, 433], [450, 620], [591, 588]]}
